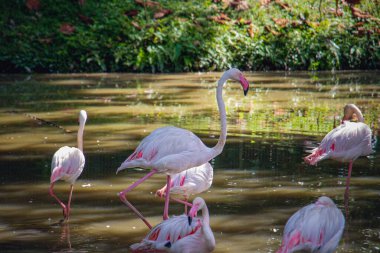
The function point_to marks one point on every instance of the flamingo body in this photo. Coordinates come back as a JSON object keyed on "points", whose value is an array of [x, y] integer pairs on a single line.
{"points": [[180, 234], [191, 181], [169, 150], [317, 227], [67, 164], [344, 143]]}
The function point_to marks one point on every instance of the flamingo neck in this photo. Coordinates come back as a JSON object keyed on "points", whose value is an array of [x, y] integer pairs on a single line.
{"points": [[80, 136], [207, 232], [222, 114]]}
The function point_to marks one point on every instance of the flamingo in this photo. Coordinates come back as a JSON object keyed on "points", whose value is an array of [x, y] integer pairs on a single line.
{"points": [[317, 227], [181, 234], [171, 150], [345, 143], [67, 165], [188, 182]]}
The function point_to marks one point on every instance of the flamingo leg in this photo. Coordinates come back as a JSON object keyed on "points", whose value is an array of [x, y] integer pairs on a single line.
{"points": [[167, 198], [51, 192], [123, 196], [185, 199], [347, 192], [69, 202]]}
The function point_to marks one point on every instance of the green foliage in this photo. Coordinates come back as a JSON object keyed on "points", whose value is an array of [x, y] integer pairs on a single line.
{"points": [[188, 39]]}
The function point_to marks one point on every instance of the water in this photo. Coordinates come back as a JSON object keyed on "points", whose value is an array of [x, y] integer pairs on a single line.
{"points": [[260, 179]]}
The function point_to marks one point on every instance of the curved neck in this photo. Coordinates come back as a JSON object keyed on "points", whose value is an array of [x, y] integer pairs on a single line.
{"points": [[218, 148], [80, 136], [358, 114], [207, 232]]}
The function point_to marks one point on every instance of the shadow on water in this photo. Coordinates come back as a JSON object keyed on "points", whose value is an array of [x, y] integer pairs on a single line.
{"points": [[260, 179]]}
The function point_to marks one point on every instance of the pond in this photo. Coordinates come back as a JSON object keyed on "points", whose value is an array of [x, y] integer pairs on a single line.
{"points": [[260, 178]]}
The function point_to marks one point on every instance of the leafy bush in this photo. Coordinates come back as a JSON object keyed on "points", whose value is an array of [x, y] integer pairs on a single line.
{"points": [[175, 36]]}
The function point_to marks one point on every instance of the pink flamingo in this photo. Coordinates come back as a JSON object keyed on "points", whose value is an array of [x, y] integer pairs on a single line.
{"points": [[181, 234], [345, 143], [67, 164], [188, 182], [171, 150], [317, 227]]}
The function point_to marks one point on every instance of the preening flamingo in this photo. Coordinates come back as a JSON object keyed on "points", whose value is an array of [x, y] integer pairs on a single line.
{"points": [[345, 143], [191, 181], [317, 227], [68, 164], [181, 234], [171, 150]]}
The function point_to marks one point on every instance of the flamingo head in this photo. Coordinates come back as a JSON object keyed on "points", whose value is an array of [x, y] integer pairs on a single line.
{"points": [[324, 201], [82, 117], [352, 113], [236, 75], [198, 203]]}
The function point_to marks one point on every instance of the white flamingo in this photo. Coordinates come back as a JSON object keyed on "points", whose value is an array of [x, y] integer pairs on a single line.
{"points": [[317, 227], [189, 182], [181, 234], [171, 150], [345, 143], [68, 164]]}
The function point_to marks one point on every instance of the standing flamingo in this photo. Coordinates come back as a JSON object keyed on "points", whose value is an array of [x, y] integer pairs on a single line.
{"points": [[67, 164], [317, 227], [345, 143], [181, 234], [191, 181], [171, 150]]}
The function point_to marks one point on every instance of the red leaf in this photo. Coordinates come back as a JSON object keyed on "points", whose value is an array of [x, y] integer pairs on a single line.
{"points": [[131, 13], [33, 5], [147, 3], [85, 19], [81, 2], [162, 13], [67, 29]]}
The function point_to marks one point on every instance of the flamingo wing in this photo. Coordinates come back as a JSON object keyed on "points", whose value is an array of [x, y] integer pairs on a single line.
{"points": [[67, 164], [313, 227], [345, 143], [168, 149], [170, 230]]}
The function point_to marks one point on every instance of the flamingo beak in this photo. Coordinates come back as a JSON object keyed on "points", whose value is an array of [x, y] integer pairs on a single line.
{"points": [[189, 220], [244, 83]]}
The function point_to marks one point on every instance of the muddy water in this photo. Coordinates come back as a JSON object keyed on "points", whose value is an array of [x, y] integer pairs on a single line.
{"points": [[260, 179]]}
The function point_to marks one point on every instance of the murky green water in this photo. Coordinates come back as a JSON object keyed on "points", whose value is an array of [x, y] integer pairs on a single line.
{"points": [[259, 179]]}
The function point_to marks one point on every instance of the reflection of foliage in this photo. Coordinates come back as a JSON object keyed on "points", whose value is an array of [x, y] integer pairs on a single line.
{"points": [[164, 36]]}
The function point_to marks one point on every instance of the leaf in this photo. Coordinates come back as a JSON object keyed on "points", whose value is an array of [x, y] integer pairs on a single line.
{"points": [[67, 29], [33, 5], [131, 13], [162, 13]]}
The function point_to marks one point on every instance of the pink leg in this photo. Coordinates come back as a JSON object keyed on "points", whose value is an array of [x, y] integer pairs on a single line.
{"points": [[51, 192], [185, 204], [69, 202], [347, 192], [166, 208], [123, 196]]}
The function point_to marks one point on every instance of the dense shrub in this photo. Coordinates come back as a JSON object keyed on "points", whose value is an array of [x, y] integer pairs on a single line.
{"points": [[176, 35]]}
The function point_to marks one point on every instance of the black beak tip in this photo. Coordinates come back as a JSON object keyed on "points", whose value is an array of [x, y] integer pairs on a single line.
{"points": [[245, 92], [189, 220]]}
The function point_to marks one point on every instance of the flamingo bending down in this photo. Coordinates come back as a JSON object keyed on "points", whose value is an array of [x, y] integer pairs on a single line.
{"points": [[317, 227], [345, 143], [188, 182], [171, 150], [68, 164], [181, 234]]}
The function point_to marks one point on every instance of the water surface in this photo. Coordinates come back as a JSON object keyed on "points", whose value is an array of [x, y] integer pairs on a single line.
{"points": [[260, 179]]}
